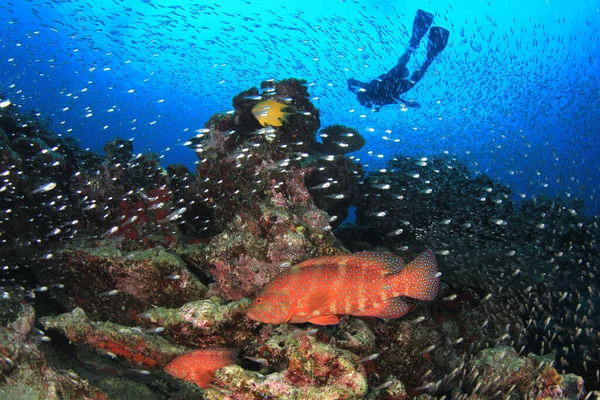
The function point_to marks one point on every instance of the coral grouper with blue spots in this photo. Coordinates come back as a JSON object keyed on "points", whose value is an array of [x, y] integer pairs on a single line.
{"points": [[367, 284]]}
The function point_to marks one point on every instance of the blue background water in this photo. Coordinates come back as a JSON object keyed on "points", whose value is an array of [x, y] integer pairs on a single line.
{"points": [[515, 94]]}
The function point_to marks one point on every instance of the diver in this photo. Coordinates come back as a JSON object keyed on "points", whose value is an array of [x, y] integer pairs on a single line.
{"points": [[387, 88]]}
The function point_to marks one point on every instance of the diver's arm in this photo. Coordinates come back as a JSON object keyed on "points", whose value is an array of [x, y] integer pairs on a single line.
{"points": [[407, 103]]}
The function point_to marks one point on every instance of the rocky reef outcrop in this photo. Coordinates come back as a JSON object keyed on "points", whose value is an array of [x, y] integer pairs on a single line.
{"points": [[116, 265]]}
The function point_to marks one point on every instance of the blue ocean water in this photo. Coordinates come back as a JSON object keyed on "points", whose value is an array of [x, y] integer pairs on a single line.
{"points": [[514, 95]]}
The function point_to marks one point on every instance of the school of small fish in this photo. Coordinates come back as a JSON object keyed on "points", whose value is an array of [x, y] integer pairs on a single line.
{"points": [[104, 72], [515, 99]]}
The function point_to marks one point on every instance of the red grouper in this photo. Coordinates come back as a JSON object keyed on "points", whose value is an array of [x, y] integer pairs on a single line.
{"points": [[367, 284], [200, 366]]}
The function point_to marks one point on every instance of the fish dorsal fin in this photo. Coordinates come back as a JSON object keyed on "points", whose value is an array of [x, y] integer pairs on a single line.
{"points": [[319, 299], [330, 319], [391, 263], [419, 279], [317, 262]]}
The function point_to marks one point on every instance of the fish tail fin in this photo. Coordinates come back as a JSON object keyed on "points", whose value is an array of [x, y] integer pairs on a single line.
{"points": [[419, 280]]}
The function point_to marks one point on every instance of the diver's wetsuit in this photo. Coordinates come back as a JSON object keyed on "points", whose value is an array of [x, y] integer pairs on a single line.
{"points": [[387, 88]]}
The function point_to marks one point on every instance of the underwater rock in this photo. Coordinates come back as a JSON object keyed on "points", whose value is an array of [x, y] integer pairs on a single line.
{"points": [[196, 219], [333, 185], [412, 345], [143, 349], [259, 200], [338, 140], [202, 323], [3, 138], [121, 388], [501, 371], [497, 255], [25, 371], [56, 191], [27, 146], [355, 336], [118, 150], [299, 127], [433, 201], [110, 285], [313, 365], [240, 159], [138, 205], [311, 370], [391, 389], [37, 191], [284, 229]]}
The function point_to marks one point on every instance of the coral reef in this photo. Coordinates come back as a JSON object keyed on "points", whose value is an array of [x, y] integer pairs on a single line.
{"points": [[129, 266], [202, 323], [254, 183], [501, 372], [521, 268], [339, 140], [143, 349], [285, 228], [110, 285], [24, 369], [314, 370], [333, 185]]}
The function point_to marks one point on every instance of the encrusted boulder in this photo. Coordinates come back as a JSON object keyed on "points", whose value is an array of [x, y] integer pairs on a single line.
{"points": [[115, 286]]}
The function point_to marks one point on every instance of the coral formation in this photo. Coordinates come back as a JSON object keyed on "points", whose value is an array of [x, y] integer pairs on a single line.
{"points": [[25, 371], [132, 265], [314, 370], [338, 139], [110, 285]]}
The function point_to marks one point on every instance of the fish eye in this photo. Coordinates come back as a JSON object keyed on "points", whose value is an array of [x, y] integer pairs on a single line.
{"points": [[259, 300]]}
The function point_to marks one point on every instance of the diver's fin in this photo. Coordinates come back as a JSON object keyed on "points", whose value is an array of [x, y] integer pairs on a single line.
{"points": [[421, 24], [438, 38]]}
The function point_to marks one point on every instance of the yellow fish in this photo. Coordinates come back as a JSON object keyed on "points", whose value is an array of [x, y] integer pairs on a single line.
{"points": [[270, 112]]}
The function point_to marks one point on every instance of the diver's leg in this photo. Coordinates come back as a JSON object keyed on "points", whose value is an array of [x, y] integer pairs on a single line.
{"points": [[421, 24], [403, 60], [399, 71], [418, 73], [438, 38]]}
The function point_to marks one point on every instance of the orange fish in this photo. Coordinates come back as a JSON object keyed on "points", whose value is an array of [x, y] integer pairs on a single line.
{"points": [[368, 284], [199, 366]]}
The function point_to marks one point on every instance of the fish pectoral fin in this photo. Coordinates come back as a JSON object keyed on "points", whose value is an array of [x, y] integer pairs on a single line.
{"points": [[318, 299], [201, 377], [330, 319]]}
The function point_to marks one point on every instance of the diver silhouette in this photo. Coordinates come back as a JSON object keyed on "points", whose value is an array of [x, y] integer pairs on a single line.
{"points": [[387, 88]]}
